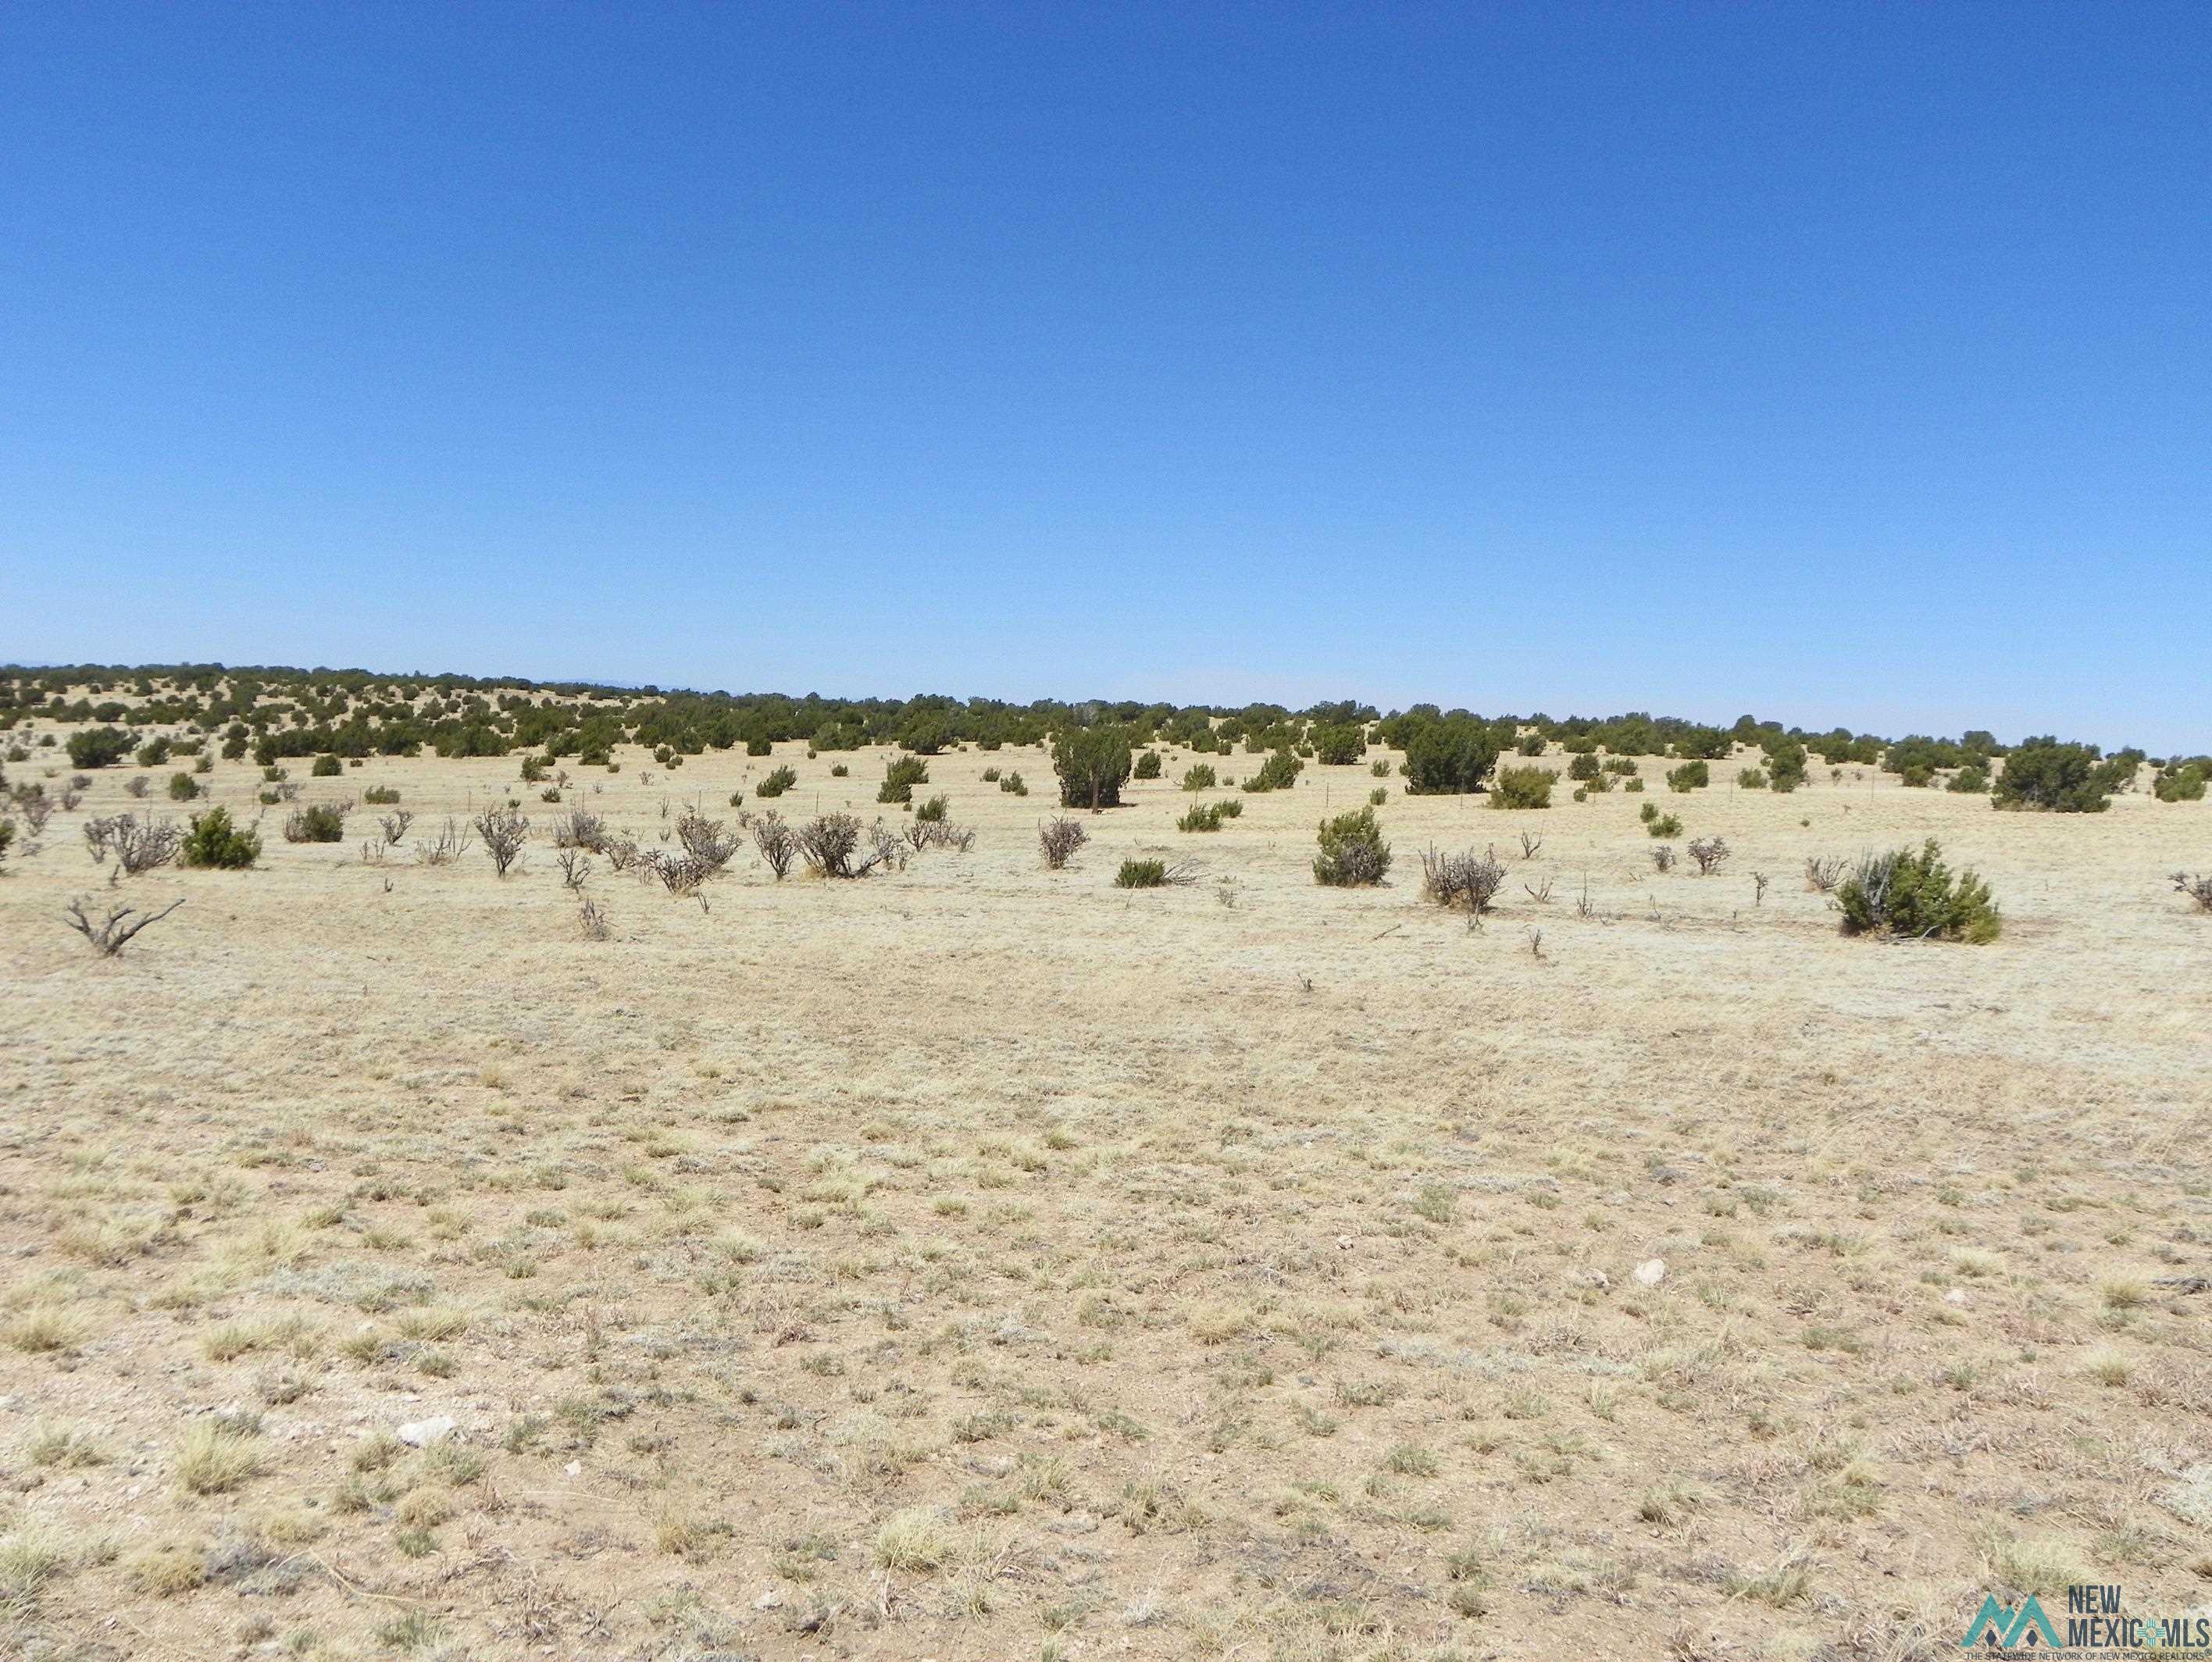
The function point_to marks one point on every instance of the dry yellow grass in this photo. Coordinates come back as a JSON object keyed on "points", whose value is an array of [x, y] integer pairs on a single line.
{"points": [[984, 1261]]}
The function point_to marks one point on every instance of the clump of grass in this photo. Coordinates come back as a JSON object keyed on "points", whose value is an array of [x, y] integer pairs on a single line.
{"points": [[217, 1456], [913, 1540]]}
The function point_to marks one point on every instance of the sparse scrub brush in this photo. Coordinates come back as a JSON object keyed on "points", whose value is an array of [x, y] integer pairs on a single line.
{"points": [[1199, 776], [932, 811], [776, 783], [1353, 852], [1279, 772], [1710, 854], [1915, 897], [1141, 873], [1013, 786], [329, 767], [1148, 766], [777, 841], [1665, 826], [1059, 839], [504, 831], [1690, 776], [1465, 880], [182, 787]]}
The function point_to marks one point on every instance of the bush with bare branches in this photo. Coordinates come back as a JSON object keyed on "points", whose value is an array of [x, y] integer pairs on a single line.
{"points": [[1710, 853], [394, 827], [580, 827], [448, 845], [777, 842], [36, 807], [138, 844], [705, 840], [1059, 838], [504, 830], [115, 931], [1823, 872], [575, 869], [1466, 879], [681, 875], [2197, 886], [1662, 857]]}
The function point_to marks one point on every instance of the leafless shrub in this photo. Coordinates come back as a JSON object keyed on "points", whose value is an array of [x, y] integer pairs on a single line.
{"points": [[939, 834], [888, 848], [621, 852], [1582, 907], [115, 931], [681, 875], [71, 798], [138, 844], [1467, 879], [135, 785], [1059, 838], [777, 842], [36, 807], [1759, 882], [1536, 944], [704, 840], [1541, 893], [593, 921], [1823, 872], [575, 870], [504, 831], [1710, 853], [394, 827], [448, 845], [1530, 842], [581, 829], [2197, 887], [1662, 857]]}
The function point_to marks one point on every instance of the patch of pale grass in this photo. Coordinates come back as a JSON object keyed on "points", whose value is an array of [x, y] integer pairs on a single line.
{"points": [[216, 1457]]}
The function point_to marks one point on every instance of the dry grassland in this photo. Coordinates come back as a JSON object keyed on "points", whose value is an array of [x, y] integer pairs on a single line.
{"points": [[978, 1261]]}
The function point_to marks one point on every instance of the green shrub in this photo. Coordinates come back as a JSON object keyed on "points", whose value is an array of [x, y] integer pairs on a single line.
{"points": [[1690, 776], [98, 747], [1915, 896], [329, 767], [1203, 816], [1199, 776], [1623, 766], [1583, 767], [182, 787], [154, 753], [1013, 786], [1141, 874], [1599, 785], [1379, 796], [214, 842], [1353, 852], [1523, 787], [759, 745], [380, 796], [205, 764], [1582, 793], [1532, 744], [2184, 783], [1634, 785], [1339, 744], [7, 836], [1785, 765], [990, 776], [775, 782], [932, 812], [1380, 768], [1752, 779], [839, 770], [1969, 781], [1915, 776], [550, 793], [1647, 813], [1148, 764], [322, 822], [1665, 826], [2043, 775], [1279, 772], [1092, 763], [1449, 757], [900, 777]]}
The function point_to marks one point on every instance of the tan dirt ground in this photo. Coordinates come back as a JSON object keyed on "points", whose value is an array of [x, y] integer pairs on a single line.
{"points": [[978, 1261]]}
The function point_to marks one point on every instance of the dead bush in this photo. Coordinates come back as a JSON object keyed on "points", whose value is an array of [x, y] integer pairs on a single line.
{"points": [[504, 830], [115, 931], [575, 869], [1465, 880], [138, 844], [1662, 857], [704, 840], [394, 827], [1060, 838], [581, 829], [448, 845], [777, 842], [1710, 853], [1823, 872], [681, 875], [2197, 886]]}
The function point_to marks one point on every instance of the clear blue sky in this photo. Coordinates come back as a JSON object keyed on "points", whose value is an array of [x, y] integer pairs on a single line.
{"points": [[1831, 362]]}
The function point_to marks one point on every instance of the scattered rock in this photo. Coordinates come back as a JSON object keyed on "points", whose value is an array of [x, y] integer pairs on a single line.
{"points": [[1956, 1295], [1652, 1271], [421, 1434], [770, 1600]]}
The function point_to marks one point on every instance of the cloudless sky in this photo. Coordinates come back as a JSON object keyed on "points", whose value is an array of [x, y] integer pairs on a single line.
{"points": [[1832, 362]]}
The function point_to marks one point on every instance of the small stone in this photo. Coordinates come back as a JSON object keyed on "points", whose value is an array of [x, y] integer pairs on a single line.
{"points": [[575, 1468], [421, 1434], [1956, 1295], [1652, 1271], [770, 1600], [1344, 1243]]}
